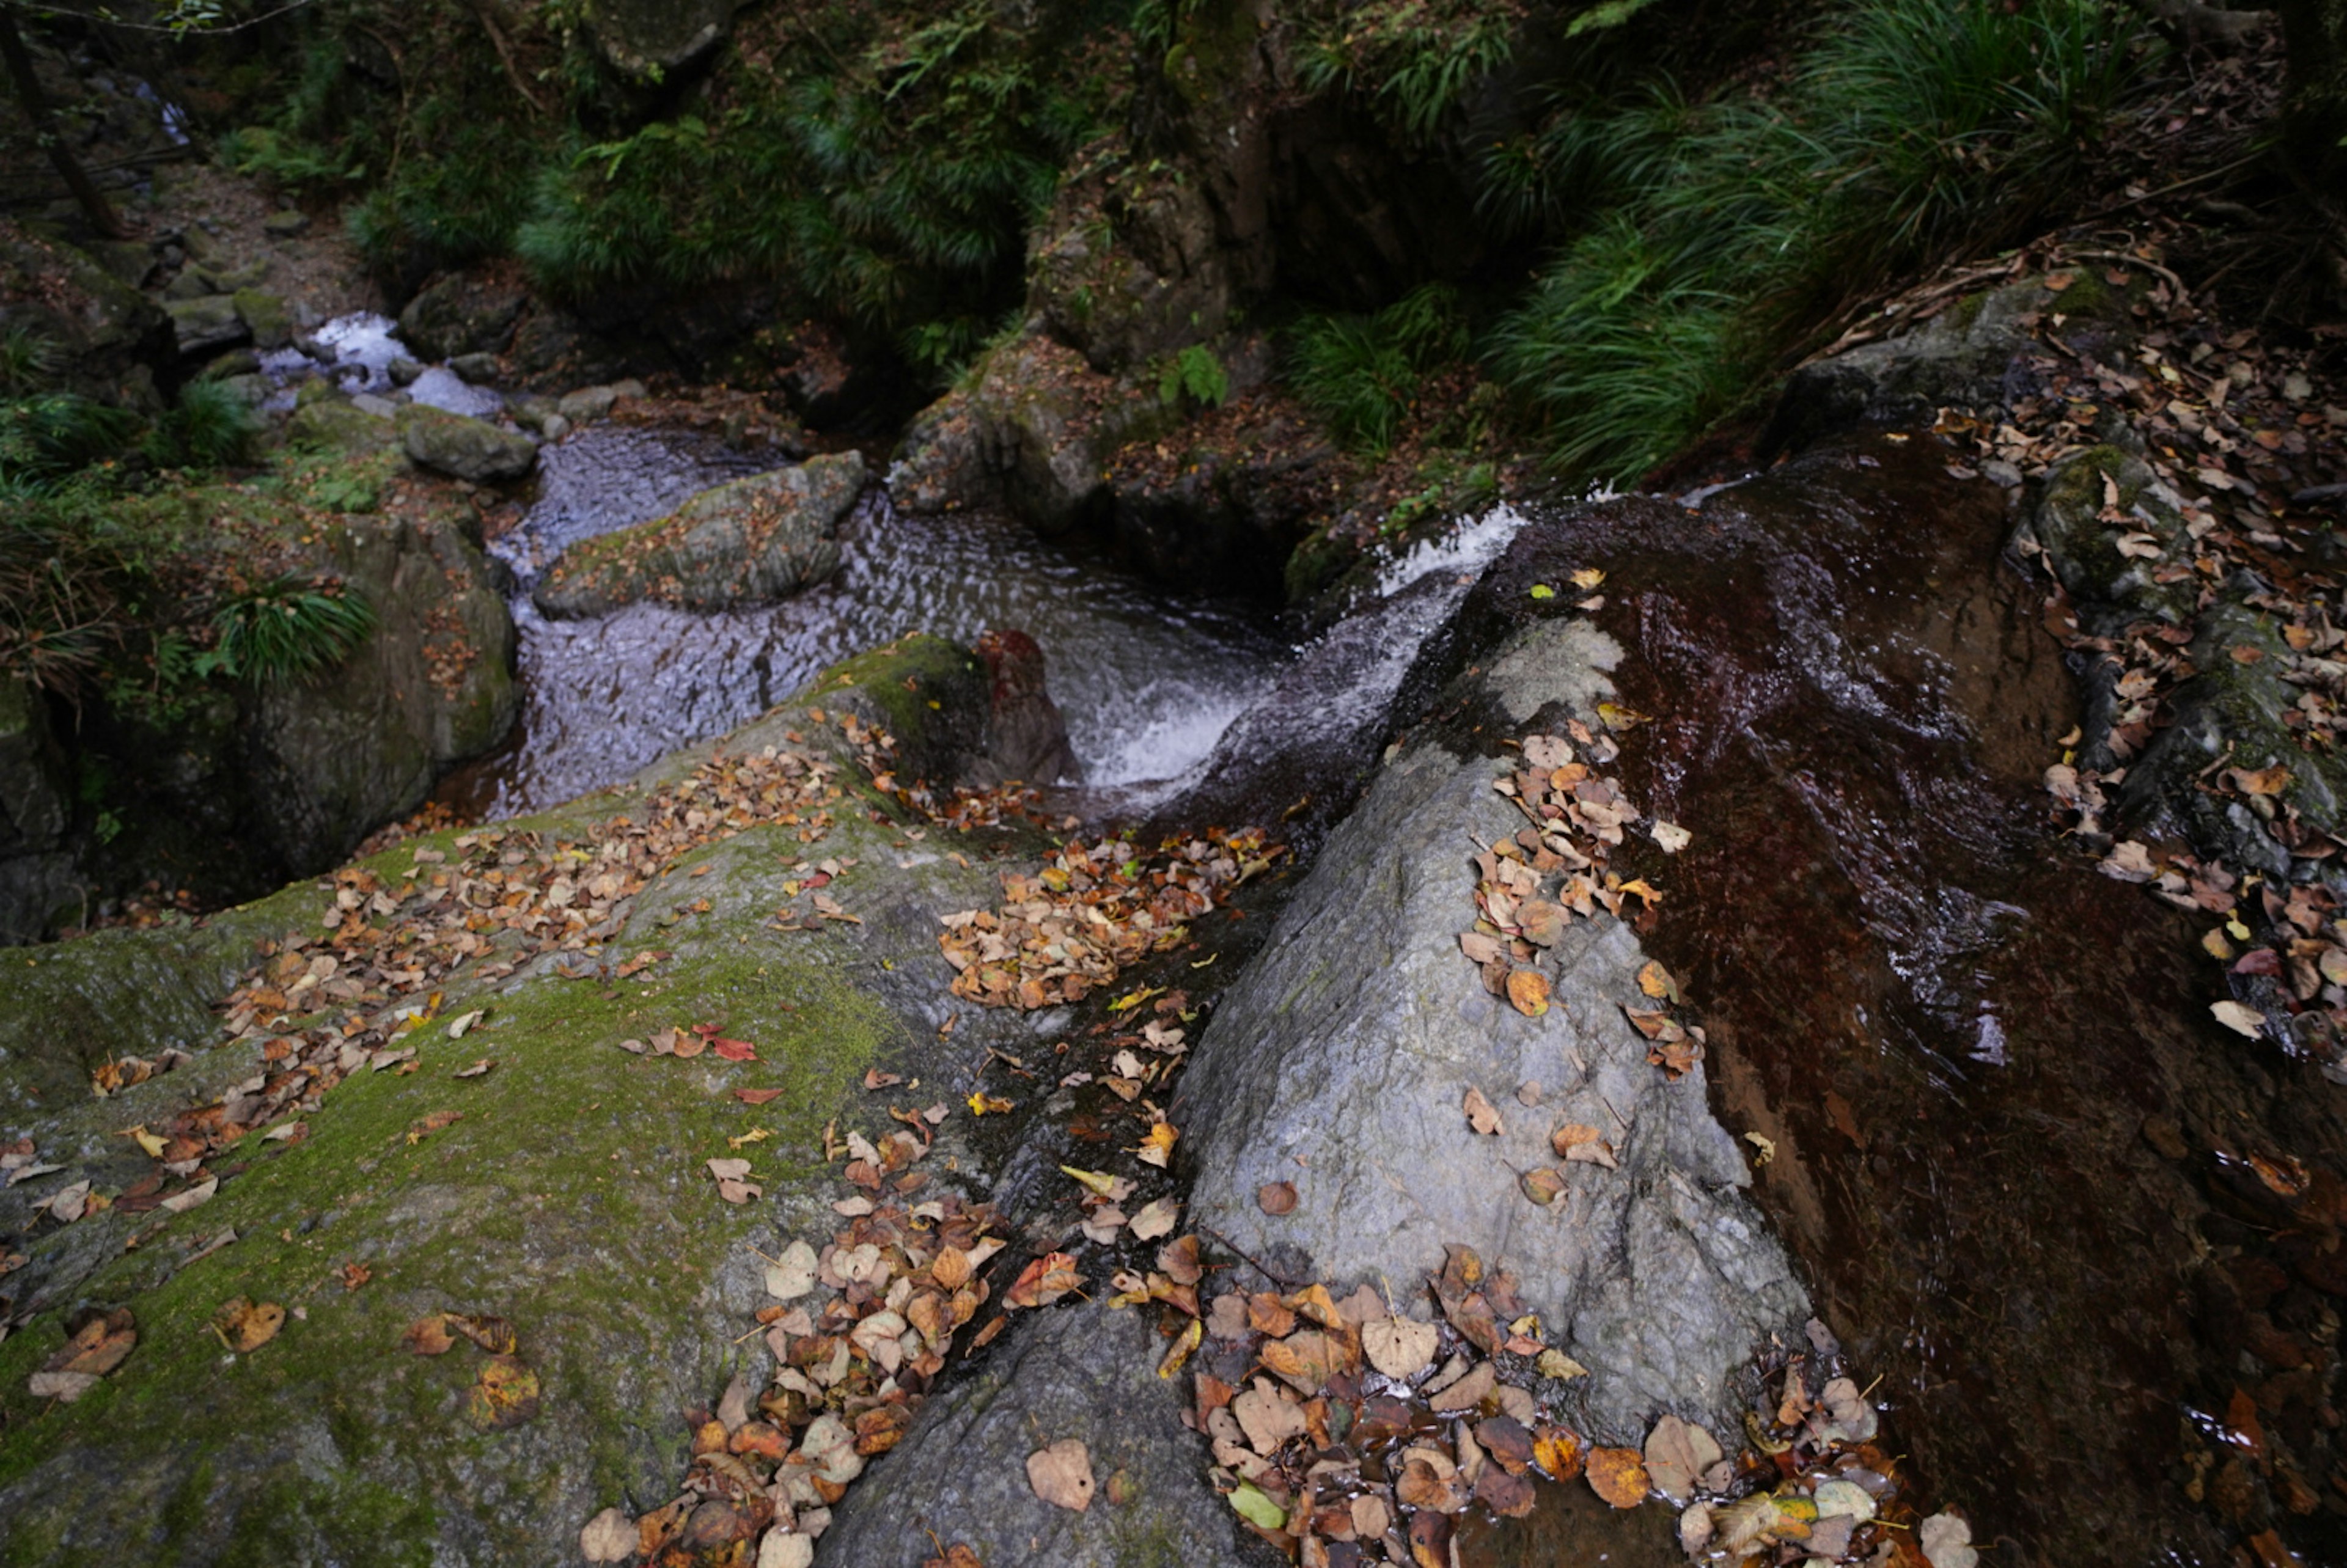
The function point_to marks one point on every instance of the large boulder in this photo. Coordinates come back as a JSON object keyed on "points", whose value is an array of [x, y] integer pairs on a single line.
{"points": [[338, 426], [649, 37], [1089, 1374], [112, 342], [751, 541], [1035, 432], [1125, 270], [1340, 1060], [207, 323], [463, 313], [37, 871], [334, 758], [562, 1191], [461, 445]]}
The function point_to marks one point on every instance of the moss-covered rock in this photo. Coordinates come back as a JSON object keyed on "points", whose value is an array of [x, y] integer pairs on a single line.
{"points": [[335, 424], [265, 317], [749, 541], [463, 446], [2111, 532], [570, 1198]]}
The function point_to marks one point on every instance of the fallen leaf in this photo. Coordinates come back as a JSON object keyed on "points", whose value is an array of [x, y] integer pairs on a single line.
{"points": [[1618, 1475], [98, 1345], [1277, 1198], [1657, 981], [62, 1387], [1251, 1501], [734, 1050], [1543, 1185], [756, 1096], [793, 1274], [983, 1104], [1044, 1281], [1557, 1451], [1555, 1363], [428, 1335], [1062, 1474], [1671, 836], [609, 1537], [1946, 1541], [1157, 1149], [1480, 1115], [201, 1193], [1528, 992], [463, 1023], [424, 1126], [477, 1070], [243, 1325], [2240, 1018], [506, 1395], [1677, 1454], [1269, 1416], [1155, 1219], [1400, 1347]]}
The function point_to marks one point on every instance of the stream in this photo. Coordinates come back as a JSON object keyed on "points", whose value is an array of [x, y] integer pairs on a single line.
{"points": [[2015, 1168]]}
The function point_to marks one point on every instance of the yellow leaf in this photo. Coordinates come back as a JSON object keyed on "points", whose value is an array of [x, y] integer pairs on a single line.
{"points": [[1588, 577], [754, 1135], [1655, 981], [1100, 1181], [1158, 1147], [982, 1103], [147, 1141], [1617, 717]]}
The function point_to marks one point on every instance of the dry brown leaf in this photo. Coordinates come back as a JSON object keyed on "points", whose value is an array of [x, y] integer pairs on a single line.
{"points": [[1155, 1219], [244, 1325], [1276, 1197], [428, 1335], [609, 1537], [1677, 1454], [1543, 1185], [1399, 1346], [1656, 982], [506, 1396], [1268, 1416], [1481, 1113], [1528, 992], [1062, 1474]]}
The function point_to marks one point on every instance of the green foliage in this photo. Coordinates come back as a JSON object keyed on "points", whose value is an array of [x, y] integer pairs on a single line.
{"points": [[286, 160], [61, 613], [1362, 373], [1195, 373], [290, 628], [210, 427], [1909, 130], [894, 188], [28, 358], [1415, 59], [45, 437]]}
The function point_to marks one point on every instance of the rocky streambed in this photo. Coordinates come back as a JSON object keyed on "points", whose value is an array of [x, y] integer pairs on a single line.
{"points": [[807, 1147]]}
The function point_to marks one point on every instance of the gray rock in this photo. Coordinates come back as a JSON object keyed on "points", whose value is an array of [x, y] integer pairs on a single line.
{"points": [[463, 446], [938, 465], [1087, 1373], [752, 541], [461, 312], [190, 284], [380, 407], [113, 341], [586, 403], [529, 410], [647, 37], [1340, 1060], [2083, 550], [1130, 271], [235, 361], [362, 743], [266, 315], [252, 388], [404, 371], [37, 863], [132, 261], [479, 369], [228, 279], [285, 225], [207, 324], [331, 425], [555, 427]]}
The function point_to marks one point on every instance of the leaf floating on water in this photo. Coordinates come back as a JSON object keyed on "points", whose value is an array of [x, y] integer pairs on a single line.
{"points": [[1277, 1198], [1618, 1475]]}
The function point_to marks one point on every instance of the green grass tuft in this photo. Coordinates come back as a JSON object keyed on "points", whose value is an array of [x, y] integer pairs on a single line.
{"points": [[1362, 373], [289, 628]]}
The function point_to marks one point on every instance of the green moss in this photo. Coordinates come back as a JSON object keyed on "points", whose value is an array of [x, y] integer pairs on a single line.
{"points": [[911, 681]]}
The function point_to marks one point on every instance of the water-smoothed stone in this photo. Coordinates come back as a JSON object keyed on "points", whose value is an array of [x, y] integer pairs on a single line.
{"points": [[463, 447], [1087, 1373], [1340, 1062], [207, 323], [751, 541], [571, 1200]]}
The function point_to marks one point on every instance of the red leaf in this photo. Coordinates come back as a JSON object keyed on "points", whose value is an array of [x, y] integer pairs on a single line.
{"points": [[734, 1050], [755, 1096]]}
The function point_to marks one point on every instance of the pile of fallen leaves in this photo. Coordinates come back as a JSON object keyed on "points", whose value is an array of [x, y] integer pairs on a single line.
{"points": [[321, 1007], [1349, 1432], [1091, 912], [859, 1330], [2246, 454], [1532, 887]]}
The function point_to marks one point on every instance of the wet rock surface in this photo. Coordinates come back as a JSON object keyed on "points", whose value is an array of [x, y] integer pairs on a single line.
{"points": [[750, 541], [1087, 1373], [1340, 1062]]}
